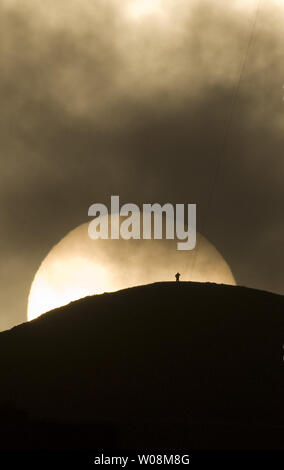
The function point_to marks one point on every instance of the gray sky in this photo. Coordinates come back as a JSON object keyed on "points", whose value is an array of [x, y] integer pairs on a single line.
{"points": [[96, 100]]}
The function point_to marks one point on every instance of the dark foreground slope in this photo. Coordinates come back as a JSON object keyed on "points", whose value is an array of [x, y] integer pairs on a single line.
{"points": [[193, 366]]}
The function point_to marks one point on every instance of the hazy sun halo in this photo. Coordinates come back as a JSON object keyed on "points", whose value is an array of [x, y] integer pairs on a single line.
{"points": [[139, 8]]}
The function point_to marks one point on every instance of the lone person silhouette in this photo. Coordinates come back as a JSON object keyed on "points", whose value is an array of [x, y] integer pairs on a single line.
{"points": [[177, 277]]}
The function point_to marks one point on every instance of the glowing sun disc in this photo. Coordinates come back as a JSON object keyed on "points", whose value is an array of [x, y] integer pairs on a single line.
{"points": [[78, 266]]}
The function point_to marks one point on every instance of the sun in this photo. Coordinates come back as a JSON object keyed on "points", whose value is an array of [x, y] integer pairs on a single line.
{"points": [[61, 280], [78, 266]]}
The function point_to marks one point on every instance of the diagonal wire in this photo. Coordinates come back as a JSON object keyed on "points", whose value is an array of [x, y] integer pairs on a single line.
{"points": [[225, 141]]}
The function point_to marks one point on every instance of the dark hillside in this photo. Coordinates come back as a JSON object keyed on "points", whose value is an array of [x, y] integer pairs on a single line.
{"points": [[163, 366]]}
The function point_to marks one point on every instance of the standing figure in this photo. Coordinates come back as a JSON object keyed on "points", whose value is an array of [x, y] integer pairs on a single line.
{"points": [[177, 277]]}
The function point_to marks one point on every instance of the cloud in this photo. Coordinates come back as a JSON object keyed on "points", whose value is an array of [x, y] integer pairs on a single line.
{"points": [[95, 102]]}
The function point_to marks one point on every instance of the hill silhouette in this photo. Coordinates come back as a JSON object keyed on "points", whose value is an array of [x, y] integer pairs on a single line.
{"points": [[161, 366]]}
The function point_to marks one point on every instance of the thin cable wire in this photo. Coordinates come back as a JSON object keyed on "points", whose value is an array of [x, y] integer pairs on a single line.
{"points": [[225, 142]]}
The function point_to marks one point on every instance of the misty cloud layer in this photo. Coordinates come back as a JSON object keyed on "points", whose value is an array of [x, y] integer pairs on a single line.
{"points": [[183, 105]]}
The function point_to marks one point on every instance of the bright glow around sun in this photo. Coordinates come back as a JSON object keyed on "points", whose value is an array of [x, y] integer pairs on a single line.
{"points": [[78, 266], [140, 8], [58, 283]]}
